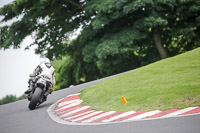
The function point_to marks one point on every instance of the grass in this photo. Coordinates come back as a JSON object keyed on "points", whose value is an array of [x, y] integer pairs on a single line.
{"points": [[170, 83]]}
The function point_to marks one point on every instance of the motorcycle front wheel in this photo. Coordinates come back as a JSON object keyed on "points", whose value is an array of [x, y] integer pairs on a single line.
{"points": [[35, 98]]}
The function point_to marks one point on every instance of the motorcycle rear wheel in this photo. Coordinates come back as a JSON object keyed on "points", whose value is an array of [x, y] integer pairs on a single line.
{"points": [[35, 98]]}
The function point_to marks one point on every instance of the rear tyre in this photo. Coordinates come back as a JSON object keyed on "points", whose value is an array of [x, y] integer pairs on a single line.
{"points": [[35, 98]]}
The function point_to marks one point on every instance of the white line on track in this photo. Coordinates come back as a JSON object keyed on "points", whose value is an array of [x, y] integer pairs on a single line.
{"points": [[74, 111], [73, 95], [87, 116], [178, 112], [67, 102], [99, 116], [119, 116], [143, 115], [79, 115], [57, 119], [70, 105]]}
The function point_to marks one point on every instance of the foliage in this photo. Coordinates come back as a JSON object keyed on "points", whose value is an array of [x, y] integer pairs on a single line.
{"points": [[120, 35], [117, 35], [50, 22], [8, 99], [64, 70], [21, 97], [71, 73], [11, 98]]}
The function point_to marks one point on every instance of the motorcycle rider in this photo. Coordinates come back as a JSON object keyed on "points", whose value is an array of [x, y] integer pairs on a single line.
{"points": [[44, 69]]}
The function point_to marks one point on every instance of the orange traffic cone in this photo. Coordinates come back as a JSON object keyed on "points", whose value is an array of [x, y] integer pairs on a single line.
{"points": [[124, 100]]}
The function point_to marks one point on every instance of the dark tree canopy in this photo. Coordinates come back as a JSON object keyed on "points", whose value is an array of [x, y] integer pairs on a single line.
{"points": [[50, 22], [117, 35], [126, 34]]}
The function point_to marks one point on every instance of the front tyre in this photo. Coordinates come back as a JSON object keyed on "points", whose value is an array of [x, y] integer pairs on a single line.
{"points": [[35, 98]]}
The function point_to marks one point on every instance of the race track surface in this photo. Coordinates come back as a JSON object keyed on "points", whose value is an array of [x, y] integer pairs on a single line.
{"points": [[17, 118]]}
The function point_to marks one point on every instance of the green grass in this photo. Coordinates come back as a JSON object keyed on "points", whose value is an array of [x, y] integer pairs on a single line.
{"points": [[170, 83]]}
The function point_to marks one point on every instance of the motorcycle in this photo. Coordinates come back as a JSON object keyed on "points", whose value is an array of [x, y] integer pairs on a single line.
{"points": [[41, 87]]}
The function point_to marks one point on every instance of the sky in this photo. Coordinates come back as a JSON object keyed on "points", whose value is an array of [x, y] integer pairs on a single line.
{"points": [[15, 66]]}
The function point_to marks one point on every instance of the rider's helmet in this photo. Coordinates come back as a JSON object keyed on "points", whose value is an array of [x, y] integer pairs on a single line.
{"points": [[45, 60]]}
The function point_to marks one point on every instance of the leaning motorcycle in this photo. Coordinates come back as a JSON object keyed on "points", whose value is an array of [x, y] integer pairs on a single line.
{"points": [[40, 90]]}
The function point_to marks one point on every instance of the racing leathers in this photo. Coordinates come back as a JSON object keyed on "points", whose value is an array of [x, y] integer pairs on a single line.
{"points": [[45, 70]]}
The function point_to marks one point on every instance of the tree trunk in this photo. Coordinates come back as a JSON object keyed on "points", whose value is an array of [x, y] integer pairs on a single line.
{"points": [[158, 42]]}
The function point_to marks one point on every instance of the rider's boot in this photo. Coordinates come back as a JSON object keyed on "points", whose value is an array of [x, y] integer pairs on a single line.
{"points": [[28, 91], [30, 88]]}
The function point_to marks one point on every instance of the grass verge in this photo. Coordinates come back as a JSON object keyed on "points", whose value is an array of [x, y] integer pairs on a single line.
{"points": [[170, 83]]}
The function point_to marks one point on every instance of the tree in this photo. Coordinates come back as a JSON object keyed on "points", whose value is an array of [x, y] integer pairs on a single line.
{"points": [[8, 99], [11, 98], [117, 35], [49, 22], [124, 34]]}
